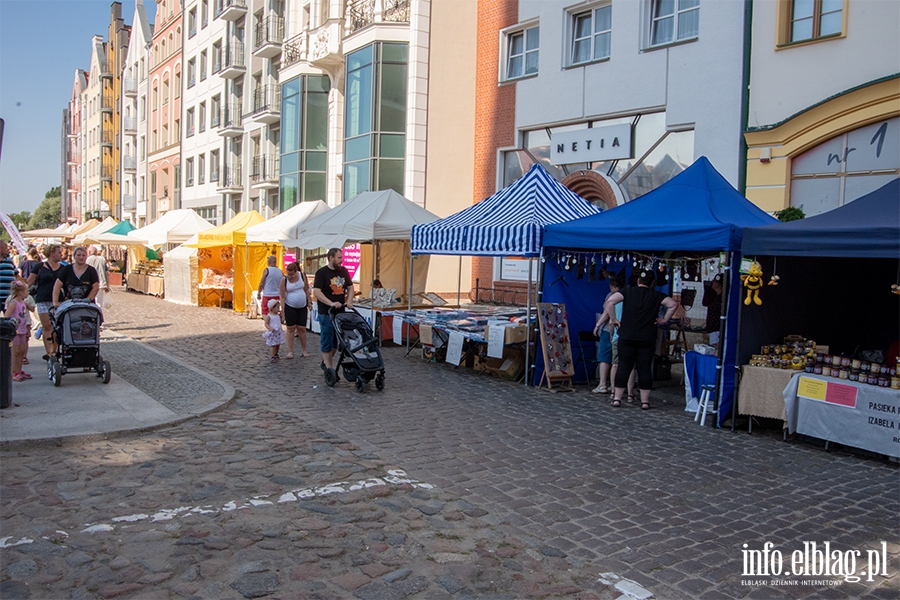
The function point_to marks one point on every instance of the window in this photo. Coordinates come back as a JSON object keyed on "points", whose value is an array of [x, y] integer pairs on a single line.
{"points": [[522, 53], [305, 142], [674, 20], [201, 114], [203, 65], [143, 108], [591, 32], [812, 19], [214, 165], [191, 72], [189, 172], [204, 14], [165, 91], [201, 169], [190, 122], [217, 57], [178, 84], [155, 97], [192, 23], [215, 109]]}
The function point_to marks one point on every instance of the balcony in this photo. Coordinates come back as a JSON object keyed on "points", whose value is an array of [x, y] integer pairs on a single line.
{"points": [[265, 171], [233, 61], [268, 38], [230, 179], [107, 103], [266, 104], [231, 123], [294, 50], [396, 11], [106, 173], [107, 137], [324, 46], [129, 202], [129, 125], [129, 87], [231, 10], [129, 163], [360, 13]]}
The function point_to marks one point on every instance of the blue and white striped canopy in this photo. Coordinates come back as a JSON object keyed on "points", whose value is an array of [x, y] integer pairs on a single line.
{"points": [[509, 223]]}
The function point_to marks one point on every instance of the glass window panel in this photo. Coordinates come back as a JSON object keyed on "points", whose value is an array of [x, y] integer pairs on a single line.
{"points": [[803, 9], [357, 148], [360, 58], [290, 163], [291, 88], [290, 119], [802, 30], [318, 83], [583, 25], [515, 67], [359, 101], [316, 133], [390, 175], [533, 38], [316, 161], [815, 196], [832, 6], [356, 179], [516, 43], [582, 51], [603, 19], [672, 156], [686, 4], [288, 191], [531, 62], [393, 98], [662, 31], [392, 146], [515, 164], [601, 45], [395, 53], [664, 7], [831, 23], [313, 186], [688, 24]]}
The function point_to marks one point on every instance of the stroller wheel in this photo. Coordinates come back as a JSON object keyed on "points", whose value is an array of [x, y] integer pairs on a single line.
{"points": [[379, 382], [105, 371], [360, 385], [50, 362], [330, 377], [55, 372]]}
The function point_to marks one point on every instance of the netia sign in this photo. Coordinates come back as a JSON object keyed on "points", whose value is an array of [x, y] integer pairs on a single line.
{"points": [[591, 145]]}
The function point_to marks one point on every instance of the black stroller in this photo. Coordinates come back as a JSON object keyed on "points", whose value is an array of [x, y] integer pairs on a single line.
{"points": [[358, 351], [76, 327]]}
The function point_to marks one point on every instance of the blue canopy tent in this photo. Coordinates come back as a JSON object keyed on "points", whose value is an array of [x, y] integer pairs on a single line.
{"points": [[844, 260], [509, 223], [695, 212]]}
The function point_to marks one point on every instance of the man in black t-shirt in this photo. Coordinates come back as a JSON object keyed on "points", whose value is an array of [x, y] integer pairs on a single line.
{"points": [[332, 288]]}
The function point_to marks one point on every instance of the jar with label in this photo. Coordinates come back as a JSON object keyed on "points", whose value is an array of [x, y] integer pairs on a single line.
{"points": [[883, 381], [845, 361], [895, 383], [854, 375], [826, 370], [855, 363], [872, 379], [864, 367], [844, 373]]}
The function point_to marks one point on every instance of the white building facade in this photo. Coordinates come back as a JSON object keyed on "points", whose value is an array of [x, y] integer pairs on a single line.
{"points": [[133, 170]]}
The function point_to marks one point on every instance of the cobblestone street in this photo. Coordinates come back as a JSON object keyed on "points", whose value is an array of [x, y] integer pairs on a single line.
{"points": [[444, 485]]}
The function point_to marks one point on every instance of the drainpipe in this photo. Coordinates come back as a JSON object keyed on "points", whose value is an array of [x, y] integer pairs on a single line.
{"points": [[745, 95]]}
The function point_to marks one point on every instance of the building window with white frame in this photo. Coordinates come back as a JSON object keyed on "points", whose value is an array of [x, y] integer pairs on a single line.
{"points": [[591, 34], [673, 21], [190, 122], [522, 53], [201, 169], [189, 172], [203, 65], [201, 114], [191, 72]]}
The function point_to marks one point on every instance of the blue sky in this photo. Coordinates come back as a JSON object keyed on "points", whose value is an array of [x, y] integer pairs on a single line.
{"points": [[42, 42]]}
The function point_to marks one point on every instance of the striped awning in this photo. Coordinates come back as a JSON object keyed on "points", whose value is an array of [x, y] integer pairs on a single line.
{"points": [[509, 223]]}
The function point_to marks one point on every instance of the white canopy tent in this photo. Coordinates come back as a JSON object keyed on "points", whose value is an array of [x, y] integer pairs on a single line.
{"points": [[112, 239], [181, 274], [287, 225], [174, 227], [104, 226]]}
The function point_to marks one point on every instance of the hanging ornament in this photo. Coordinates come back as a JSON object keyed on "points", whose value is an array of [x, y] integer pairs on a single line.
{"points": [[774, 279]]}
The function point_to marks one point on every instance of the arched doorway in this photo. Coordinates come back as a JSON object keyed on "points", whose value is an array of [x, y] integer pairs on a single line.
{"points": [[595, 188]]}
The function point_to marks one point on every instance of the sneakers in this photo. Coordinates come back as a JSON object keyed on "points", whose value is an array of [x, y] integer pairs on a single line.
{"points": [[600, 389], [39, 332]]}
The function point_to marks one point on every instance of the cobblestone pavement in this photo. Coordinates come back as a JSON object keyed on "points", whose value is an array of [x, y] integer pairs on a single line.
{"points": [[444, 485]]}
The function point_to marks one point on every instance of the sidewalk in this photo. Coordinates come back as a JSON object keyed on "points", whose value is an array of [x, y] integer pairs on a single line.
{"points": [[148, 389]]}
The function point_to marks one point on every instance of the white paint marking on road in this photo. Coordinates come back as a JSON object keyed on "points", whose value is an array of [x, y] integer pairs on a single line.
{"points": [[4, 542], [130, 518], [628, 588], [96, 528]]}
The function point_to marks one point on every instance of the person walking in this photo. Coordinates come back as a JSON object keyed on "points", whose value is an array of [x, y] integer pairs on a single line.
{"points": [[274, 334], [78, 280], [295, 300], [637, 333], [332, 288], [7, 274], [44, 277], [269, 283], [16, 308], [98, 261]]}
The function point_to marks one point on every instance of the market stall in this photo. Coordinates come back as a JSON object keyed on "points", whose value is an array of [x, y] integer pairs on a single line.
{"points": [[229, 267], [835, 276], [287, 225], [696, 215], [182, 275], [509, 223], [102, 227]]}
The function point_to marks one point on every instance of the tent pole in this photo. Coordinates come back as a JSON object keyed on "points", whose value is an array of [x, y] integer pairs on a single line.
{"points": [[737, 348], [459, 282], [723, 318], [527, 318]]}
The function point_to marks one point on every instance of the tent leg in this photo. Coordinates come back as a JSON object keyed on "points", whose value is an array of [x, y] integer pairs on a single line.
{"points": [[459, 282], [723, 319], [527, 319]]}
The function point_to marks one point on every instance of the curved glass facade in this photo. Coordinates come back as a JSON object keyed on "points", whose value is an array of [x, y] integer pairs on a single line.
{"points": [[304, 139]]}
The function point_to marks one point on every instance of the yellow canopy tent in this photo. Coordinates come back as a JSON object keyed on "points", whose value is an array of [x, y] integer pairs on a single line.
{"points": [[224, 247]]}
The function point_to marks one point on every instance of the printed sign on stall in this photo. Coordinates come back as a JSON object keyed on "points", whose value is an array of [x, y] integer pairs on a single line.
{"points": [[351, 257], [454, 348]]}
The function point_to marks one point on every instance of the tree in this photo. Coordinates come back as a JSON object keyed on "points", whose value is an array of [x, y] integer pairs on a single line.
{"points": [[19, 219], [792, 213], [48, 213]]}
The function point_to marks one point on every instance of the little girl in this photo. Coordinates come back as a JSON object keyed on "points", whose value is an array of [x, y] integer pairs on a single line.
{"points": [[16, 308], [274, 334]]}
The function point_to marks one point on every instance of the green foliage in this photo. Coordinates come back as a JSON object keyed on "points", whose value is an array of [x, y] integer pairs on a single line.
{"points": [[57, 191], [792, 213], [19, 219], [48, 214]]}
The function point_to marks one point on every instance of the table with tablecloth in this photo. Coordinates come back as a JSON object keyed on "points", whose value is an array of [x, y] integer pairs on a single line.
{"points": [[762, 391]]}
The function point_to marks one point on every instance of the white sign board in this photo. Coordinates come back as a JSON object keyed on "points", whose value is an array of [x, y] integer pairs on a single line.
{"points": [[397, 323], [516, 269], [496, 338], [591, 145], [454, 347]]}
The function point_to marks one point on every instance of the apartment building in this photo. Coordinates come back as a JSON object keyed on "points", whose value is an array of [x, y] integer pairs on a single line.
{"points": [[823, 126], [118, 35], [134, 124], [72, 172], [164, 126], [97, 134], [201, 144]]}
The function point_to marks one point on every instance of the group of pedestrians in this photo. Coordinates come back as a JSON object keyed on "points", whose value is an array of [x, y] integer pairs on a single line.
{"points": [[286, 299]]}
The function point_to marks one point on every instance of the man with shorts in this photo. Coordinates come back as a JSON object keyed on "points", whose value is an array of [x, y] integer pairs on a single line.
{"points": [[270, 284], [332, 288]]}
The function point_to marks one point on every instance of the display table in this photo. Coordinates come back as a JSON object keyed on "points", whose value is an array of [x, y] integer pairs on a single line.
{"points": [[846, 412], [762, 392], [210, 295], [146, 284]]}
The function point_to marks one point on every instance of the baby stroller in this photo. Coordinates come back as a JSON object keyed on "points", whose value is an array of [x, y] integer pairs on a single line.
{"points": [[76, 327], [359, 354]]}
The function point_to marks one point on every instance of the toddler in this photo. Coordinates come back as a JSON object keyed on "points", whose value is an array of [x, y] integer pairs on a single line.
{"points": [[274, 334], [16, 308]]}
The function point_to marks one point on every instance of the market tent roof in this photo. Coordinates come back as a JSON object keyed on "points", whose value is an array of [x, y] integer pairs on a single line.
{"points": [[288, 224], [122, 228], [114, 239], [102, 227], [509, 223], [229, 233], [868, 227], [88, 225], [695, 210], [174, 227], [59, 232], [384, 215]]}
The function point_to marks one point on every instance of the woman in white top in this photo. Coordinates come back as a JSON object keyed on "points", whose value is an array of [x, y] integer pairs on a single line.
{"points": [[295, 299]]}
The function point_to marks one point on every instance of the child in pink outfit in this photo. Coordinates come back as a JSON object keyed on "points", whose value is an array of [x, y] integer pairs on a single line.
{"points": [[274, 334], [16, 308]]}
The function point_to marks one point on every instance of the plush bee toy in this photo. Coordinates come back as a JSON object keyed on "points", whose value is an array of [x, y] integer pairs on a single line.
{"points": [[753, 282]]}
